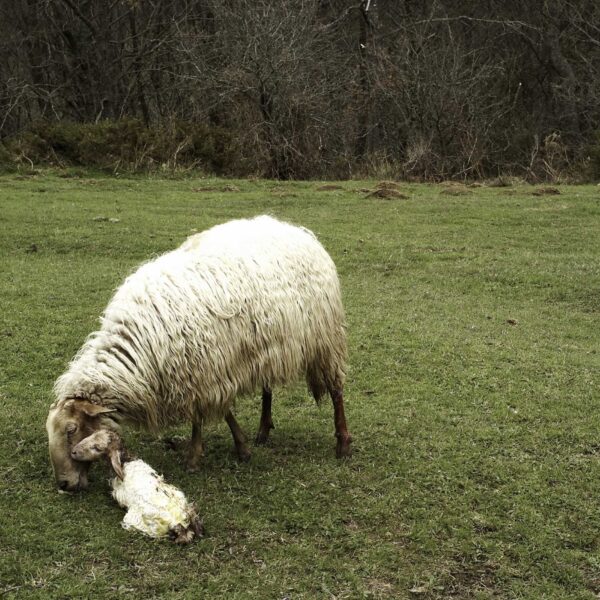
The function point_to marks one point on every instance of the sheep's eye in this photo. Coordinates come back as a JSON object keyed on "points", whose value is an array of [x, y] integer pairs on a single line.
{"points": [[96, 448], [71, 428]]}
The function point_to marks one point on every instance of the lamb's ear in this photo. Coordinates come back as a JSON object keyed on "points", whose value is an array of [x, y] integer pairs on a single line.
{"points": [[93, 410], [115, 461]]}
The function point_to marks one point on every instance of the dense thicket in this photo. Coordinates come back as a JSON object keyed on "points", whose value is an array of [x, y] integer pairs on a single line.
{"points": [[305, 88]]}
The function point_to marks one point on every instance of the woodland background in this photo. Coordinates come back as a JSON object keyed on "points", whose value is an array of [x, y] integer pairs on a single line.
{"points": [[416, 89]]}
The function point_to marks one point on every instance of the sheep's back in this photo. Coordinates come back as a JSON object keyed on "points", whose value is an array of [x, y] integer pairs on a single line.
{"points": [[242, 305]]}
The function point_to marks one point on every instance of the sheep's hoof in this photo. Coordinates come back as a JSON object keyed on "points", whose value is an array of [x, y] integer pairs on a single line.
{"points": [[343, 449], [262, 436], [243, 454], [263, 433], [193, 464], [261, 439]]}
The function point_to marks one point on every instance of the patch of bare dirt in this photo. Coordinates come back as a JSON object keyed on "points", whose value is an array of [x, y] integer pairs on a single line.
{"points": [[386, 194], [546, 191], [469, 580]]}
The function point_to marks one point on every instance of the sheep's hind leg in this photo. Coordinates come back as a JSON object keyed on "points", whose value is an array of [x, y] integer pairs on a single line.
{"points": [[341, 430], [266, 422], [196, 447], [239, 438]]}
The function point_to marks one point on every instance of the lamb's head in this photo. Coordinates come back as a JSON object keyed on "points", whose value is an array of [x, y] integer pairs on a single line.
{"points": [[69, 421], [101, 443]]}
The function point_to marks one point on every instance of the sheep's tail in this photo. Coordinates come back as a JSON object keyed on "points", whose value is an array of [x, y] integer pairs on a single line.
{"points": [[184, 535], [316, 383], [328, 372]]}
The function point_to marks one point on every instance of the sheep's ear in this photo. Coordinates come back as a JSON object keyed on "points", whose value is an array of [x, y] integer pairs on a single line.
{"points": [[93, 410], [115, 461]]}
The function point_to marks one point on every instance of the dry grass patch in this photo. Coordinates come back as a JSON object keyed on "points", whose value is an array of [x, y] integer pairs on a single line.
{"points": [[462, 190], [454, 188], [229, 187], [388, 185], [329, 187]]}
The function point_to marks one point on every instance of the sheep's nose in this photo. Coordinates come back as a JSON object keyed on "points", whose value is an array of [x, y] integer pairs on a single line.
{"points": [[63, 484]]}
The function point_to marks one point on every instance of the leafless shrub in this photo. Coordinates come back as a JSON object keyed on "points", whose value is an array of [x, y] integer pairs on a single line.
{"points": [[393, 89]]}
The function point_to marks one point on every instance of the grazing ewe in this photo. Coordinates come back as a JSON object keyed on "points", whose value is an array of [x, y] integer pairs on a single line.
{"points": [[155, 508], [248, 304]]}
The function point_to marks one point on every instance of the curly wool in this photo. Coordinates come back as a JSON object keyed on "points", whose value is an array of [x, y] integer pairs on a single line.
{"points": [[247, 304]]}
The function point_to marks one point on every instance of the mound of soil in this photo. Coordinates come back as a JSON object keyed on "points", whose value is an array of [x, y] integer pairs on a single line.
{"points": [[546, 191], [388, 185], [387, 194]]}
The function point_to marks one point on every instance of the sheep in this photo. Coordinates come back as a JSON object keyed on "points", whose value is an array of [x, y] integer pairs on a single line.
{"points": [[155, 508], [249, 304]]}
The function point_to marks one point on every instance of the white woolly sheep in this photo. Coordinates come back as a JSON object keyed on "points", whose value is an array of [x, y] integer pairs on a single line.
{"points": [[248, 304], [154, 507]]}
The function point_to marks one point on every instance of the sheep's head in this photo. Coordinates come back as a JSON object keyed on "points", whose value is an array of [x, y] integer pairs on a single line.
{"points": [[69, 421], [101, 443]]}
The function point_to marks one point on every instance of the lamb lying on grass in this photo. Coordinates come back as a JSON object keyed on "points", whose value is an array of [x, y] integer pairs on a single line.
{"points": [[155, 508]]}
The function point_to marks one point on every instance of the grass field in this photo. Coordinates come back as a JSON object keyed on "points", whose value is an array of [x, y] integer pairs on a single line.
{"points": [[472, 396]]}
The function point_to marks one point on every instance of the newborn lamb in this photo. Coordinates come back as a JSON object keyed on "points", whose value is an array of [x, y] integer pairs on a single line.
{"points": [[155, 508]]}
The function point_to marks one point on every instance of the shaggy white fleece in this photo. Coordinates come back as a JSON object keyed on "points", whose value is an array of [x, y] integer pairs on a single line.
{"points": [[244, 305]]}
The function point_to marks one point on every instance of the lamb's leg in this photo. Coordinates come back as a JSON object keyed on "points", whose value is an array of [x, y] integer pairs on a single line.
{"points": [[266, 422], [239, 438], [341, 430], [196, 447]]}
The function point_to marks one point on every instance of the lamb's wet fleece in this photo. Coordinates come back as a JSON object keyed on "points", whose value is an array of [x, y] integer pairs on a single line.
{"points": [[156, 508]]}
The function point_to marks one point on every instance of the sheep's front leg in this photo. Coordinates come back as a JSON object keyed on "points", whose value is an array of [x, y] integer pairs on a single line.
{"points": [[266, 422], [196, 447], [239, 438], [341, 430]]}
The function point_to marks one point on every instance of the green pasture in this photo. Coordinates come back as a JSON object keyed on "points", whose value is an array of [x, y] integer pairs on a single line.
{"points": [[472, 396]]}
